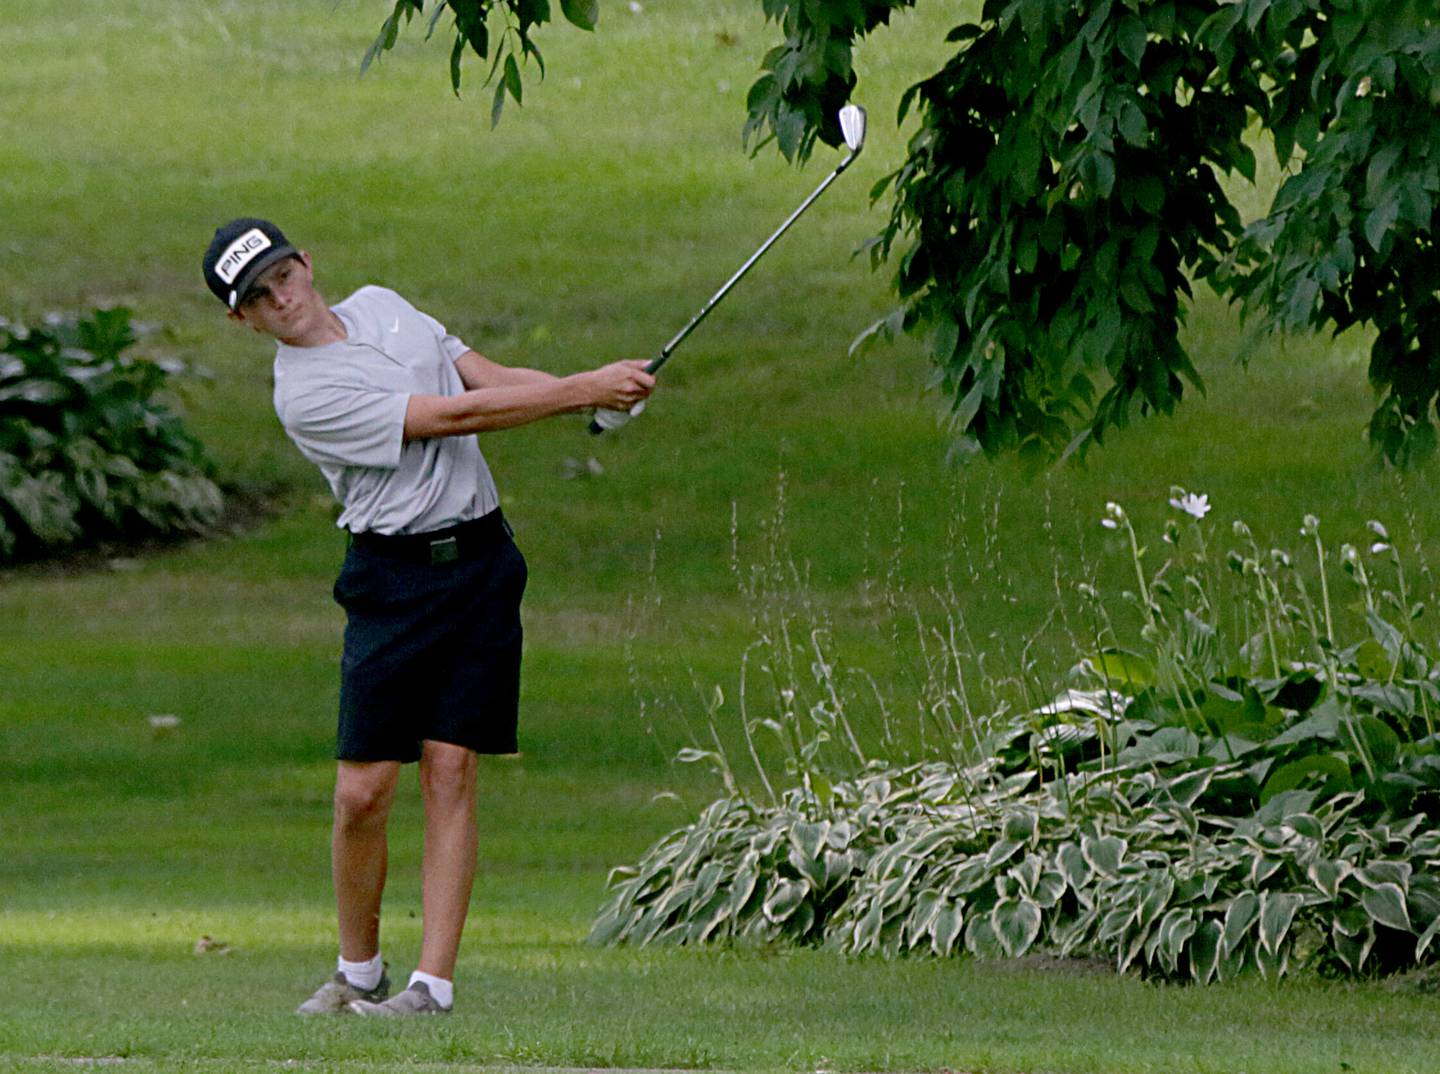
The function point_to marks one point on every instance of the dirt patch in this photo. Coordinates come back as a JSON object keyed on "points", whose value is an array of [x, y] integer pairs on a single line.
{"points": [[1055, 965]]}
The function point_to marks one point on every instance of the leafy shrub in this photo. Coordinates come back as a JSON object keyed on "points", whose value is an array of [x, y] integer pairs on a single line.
{"points": [[1195, 806], [88, 447], [928, 859]]}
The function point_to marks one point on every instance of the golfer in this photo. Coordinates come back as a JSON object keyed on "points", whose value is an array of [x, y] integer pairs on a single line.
{"points": [[386, 403]]}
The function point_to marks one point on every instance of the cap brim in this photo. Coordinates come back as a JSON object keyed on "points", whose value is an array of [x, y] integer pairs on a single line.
{"points": [[253, 271]]}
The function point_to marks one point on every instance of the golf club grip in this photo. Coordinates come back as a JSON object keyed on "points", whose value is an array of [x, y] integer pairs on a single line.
{"points": [[617, 418]]}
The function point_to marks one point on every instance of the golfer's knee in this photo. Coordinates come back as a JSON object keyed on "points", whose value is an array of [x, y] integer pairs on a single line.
{"points": [[448, 774], [360, 803]]}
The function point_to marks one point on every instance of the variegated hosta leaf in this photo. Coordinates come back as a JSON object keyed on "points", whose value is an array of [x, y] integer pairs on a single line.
{"points": [[1048, 889], [1176, 929], [1277, 911], [921, 918], [1422, 945], [1103, 854], [1379, 873], [1016, 923], [1240, 915], [1205, 948], [1155, 896], [980, 938], [1327, 876], [946, 927], [1385, 904], [1072, 865], [783, 898]]}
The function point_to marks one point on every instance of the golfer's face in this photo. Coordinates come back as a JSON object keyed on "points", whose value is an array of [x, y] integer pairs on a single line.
{"points": [[280, 299]]}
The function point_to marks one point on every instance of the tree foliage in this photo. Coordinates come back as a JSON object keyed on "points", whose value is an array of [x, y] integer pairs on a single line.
{"points": [[1062, 191], [496, 31]]}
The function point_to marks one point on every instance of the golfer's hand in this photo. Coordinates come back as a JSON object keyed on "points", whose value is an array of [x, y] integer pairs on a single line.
{"points": [[620, 385]]}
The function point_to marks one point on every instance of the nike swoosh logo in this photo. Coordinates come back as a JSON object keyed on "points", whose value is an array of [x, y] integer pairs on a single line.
{"points": [[396, 326]]}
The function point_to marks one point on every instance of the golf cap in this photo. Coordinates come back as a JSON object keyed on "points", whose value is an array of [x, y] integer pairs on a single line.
{"points": [[240, 251]]}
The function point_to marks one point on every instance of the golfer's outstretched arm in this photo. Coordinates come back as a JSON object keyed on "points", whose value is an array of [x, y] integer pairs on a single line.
{"points": [[477, 371], [617, 386]]}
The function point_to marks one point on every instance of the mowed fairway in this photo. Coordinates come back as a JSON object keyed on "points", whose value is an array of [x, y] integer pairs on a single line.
{"points": [[588, 227]]}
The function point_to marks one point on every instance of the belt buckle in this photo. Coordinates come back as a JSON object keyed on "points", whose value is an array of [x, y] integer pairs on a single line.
{"points": [[446, 550]]}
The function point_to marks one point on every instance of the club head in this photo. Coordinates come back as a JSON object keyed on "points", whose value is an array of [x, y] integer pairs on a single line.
{"points": [[852, 126]]}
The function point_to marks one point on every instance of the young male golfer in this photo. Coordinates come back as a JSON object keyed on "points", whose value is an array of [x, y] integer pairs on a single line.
{"points": [[386, 403]]}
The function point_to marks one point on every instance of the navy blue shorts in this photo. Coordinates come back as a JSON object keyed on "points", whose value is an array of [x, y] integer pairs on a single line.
{"points": [[432, 642]]}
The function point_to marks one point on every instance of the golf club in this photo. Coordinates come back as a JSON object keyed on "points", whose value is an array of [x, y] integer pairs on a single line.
{"points": [[852, 127]]}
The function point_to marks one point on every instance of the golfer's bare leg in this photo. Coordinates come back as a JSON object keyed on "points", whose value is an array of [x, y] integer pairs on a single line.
{"points": [[359, 853], [447, 784]]}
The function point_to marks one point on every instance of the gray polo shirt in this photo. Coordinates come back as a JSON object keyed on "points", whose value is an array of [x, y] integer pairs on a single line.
{"points": [[343, 404]]}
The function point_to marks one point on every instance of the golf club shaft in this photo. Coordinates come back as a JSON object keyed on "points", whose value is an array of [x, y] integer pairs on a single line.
{"points": [[615, 418]]}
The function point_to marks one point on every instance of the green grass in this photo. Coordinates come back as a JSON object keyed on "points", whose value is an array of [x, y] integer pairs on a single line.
{"points": [[588, 227]]}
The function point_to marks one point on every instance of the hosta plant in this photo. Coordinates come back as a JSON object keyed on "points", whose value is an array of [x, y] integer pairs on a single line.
{"points": [[89, 447], [1192, 806], [1129, 867]]}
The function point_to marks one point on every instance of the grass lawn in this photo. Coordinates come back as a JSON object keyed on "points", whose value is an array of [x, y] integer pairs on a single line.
{"points": [[588, 227]]}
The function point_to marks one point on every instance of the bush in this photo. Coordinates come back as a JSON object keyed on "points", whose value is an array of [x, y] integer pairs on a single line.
{"points": [[1234, 791], [88, 447]]}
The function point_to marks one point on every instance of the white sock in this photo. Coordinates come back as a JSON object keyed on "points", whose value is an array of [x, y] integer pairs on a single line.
{"points": [[363, 975], [442, 990]]}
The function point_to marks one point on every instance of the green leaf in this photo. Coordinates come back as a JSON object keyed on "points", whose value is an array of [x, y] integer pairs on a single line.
{"points": [[922, 915], [1130, 37], [1372, 661], [947, 926], [945, 339], [1016, 923], [1326, 771], [582, 13], [784, 899], [1386, 906], [1426, 938], [1243, 910], [497, 105], [1380, 739], [1381, 220], [1071, 862], [1205, 951], [1277, 911], [1176, 929], [1104, 854], [1124, 671], [1378, 873], [512, 78], [1021, 826]]}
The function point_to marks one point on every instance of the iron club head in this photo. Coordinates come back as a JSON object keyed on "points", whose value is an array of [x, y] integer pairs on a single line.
{"points": [[852, 126]]}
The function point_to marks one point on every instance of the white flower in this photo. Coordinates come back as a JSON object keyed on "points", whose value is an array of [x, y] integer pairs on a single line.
{"points": [[1378, 547], [1378, 530], [1363, 89], [1196, 506], [1109, 523]]}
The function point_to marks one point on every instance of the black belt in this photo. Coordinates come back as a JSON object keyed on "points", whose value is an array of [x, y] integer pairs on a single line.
{"points": [[463, 541]]}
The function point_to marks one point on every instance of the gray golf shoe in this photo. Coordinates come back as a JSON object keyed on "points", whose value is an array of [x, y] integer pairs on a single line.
{"points": [[336, 994], [414, 1000]]}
